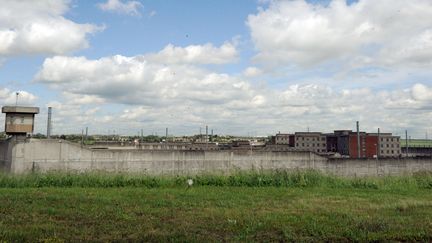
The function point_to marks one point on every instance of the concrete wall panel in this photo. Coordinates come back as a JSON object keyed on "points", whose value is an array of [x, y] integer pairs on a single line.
{"points": [[55, 155]]}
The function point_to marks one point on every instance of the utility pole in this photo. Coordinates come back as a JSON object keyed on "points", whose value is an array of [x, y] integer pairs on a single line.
{"points": [[86, 135], [206, 138], [358, 140], [406, 143], [82, 137], [166, 135], [142, 137], [378, 144], [49, 123], [16, 98]]}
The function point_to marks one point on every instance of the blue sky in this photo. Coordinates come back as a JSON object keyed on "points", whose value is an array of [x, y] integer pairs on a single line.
{"points": [[241, 67]]}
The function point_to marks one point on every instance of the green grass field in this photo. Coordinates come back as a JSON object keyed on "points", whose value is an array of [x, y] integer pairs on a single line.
{"points": [[417, 143], [298, 206]]}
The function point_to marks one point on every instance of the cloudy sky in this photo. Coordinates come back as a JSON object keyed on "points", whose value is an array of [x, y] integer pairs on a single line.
{"points": [[244, 67]]}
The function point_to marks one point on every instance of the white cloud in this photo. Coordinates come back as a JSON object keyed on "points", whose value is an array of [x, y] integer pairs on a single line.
{"points": [[251, 72], [39, 27], [183, 96], [118, 6], [135, 80], [422, 92], [195, 54], [80, 99], [385, 32], [8, 97]]}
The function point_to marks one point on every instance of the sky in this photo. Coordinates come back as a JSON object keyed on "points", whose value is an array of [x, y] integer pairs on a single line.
{"points": [[244, 67]]}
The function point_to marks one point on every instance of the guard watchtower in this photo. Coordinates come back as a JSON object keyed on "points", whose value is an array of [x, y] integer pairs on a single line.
{"points": [[19, 119]]}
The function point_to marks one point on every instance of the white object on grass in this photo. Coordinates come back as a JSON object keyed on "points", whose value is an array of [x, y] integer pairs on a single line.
{"points": [[189, 182]]}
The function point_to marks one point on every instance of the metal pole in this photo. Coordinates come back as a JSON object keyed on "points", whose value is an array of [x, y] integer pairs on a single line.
{"points": [[86, 133], [378, 144], [142, 137], [82, 137], [406, 143], [166, 135], [206, 138], [16, 98], [358, 140], [49, 123]]}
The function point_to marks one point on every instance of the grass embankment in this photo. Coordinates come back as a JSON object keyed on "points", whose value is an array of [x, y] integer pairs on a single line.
{"points": [[300, 206]]}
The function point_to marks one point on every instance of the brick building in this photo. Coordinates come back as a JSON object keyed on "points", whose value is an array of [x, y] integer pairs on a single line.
{"points": [[371, 144], [343, 142], [368, 145]]}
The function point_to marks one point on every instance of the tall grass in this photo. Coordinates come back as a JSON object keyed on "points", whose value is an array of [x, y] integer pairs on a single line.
{"points": [[306, 178]]}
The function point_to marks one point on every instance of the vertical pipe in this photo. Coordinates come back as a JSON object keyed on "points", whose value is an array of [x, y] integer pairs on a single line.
{"points": [[82, 137], [142, 138], [166, 135], [406, 143], [378, 144], [16, 98], [206, 137], [358, 140], [49, 123]]}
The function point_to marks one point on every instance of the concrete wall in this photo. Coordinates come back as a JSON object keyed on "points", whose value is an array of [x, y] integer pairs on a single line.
{"points": [[58, 155], [6, 154]]}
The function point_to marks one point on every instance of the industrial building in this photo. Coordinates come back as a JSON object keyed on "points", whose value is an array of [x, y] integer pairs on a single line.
{"points": [[311, 141], [284, 139], [345, 143]]}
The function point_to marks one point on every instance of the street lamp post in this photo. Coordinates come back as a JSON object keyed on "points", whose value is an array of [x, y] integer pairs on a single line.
{"points": [[16, 98]]}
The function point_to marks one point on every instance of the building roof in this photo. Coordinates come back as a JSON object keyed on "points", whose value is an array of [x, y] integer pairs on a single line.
{"points": [[308, 133], [20, 109]]}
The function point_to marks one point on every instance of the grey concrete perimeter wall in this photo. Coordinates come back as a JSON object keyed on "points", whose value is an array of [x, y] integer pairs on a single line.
{"points": [[53, 155], [6, 154]]}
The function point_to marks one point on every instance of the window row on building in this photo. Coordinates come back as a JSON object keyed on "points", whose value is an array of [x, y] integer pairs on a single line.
{"points": [[344, 142]]}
